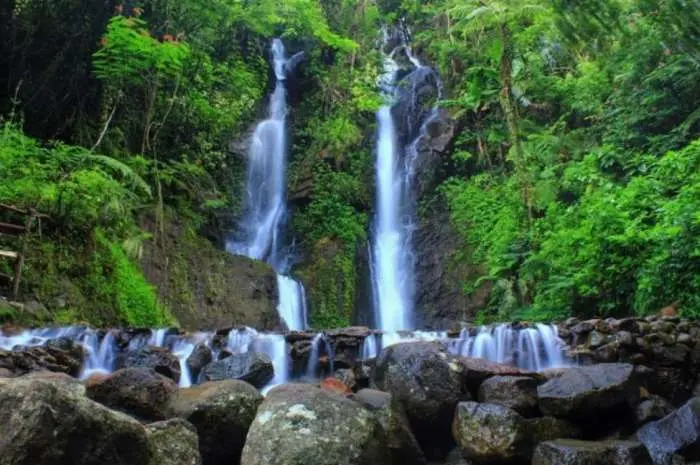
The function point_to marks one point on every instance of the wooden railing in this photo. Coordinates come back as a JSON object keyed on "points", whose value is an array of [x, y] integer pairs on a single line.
{"points": [[31, 218]]}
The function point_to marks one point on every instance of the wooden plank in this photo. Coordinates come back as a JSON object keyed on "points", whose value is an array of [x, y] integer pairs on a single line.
{"points": [[14, 229], [12, 208], [9, 254], [18, 275]]}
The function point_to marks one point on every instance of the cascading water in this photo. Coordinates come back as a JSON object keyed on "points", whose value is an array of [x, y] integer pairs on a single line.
{"points": [[534, 348], [393, 260], [265, 202]]}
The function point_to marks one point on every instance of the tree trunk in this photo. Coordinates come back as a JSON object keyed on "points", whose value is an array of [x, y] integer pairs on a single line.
{"points": [[510, 112]]}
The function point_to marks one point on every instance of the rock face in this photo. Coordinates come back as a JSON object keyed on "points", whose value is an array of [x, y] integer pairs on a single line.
{"points": [[651, 409], [61, 355], [573, 452], [490, 433], [222, 412], [678, 432], [302, 424], [253, 367], [201, 356], [45, 423], [516, 392], [173, 442], [140, 392], [206, 287], [440, 302], [427, 383], [478, 370], [158, 359], [589, 391], [402, 444]]}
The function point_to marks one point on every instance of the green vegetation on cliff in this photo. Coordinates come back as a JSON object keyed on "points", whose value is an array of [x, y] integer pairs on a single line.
{"points": [[571, 182]]}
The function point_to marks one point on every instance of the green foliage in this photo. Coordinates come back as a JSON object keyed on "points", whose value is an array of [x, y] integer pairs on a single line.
{"points": [[135, 298], [131, 56]]}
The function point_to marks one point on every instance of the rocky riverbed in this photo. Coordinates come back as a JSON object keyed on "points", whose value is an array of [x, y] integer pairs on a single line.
{"points": [[415, 403]]}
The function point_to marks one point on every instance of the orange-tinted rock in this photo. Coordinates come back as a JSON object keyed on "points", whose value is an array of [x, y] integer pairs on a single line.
{"points": [[335, 385]]}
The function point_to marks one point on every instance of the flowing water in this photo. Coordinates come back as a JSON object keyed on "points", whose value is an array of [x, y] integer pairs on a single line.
{"points": [[393, 259], [534, 348], [266, 197]]}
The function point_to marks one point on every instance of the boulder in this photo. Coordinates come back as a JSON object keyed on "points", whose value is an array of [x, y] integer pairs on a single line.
{"points": [[651, 409], [584, 392], [140, 392], [477, 370], [335, 385], [516, 392], [574, 452], [60, 355], [347, 377], [548, 428], [678, 432], [200, 357], [402, 444], [253, 367], [427, 383], [491, 433], [173, 442], [302, 424], [222, 412], [43, 422], [158, 359]]}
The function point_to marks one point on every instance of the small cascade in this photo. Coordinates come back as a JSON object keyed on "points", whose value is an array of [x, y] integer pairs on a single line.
{"points": [[265, 201], [245, 340], [157, 338], [275, 346], [533, 348], [314, 355], [101, 355], [369, 348]]}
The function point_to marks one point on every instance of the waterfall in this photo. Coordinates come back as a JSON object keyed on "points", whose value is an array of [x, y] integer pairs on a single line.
{"points": [[369, 347], [265, 199], [393, 260], [534, 348]]}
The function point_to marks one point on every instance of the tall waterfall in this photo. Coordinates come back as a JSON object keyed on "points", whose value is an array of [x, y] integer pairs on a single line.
{"points": [[266, 198], [393, 260]]}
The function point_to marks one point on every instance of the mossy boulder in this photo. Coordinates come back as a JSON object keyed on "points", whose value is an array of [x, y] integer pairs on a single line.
{"points": [[302, 424], [48, 422]]}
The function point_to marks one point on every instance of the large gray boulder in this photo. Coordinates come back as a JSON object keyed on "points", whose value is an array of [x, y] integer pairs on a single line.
{"points": [[402, 444], [252, 367], [427, 382], [589, 391], [490, 433], [516, 392], [676, 433], [652, 409], [222, 412], [158, 359], [49, 422], [140, 392], [173, 442], [302, 424], [574, 452]]}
